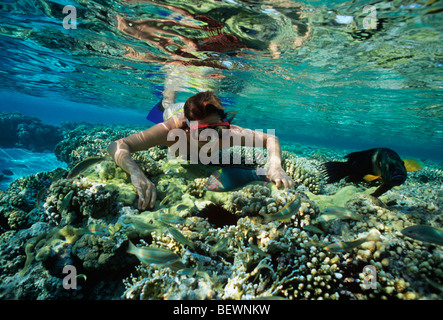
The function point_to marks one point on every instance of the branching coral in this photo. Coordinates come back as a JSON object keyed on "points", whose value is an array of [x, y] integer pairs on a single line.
{"points": [[303, 172], [244, 258]]}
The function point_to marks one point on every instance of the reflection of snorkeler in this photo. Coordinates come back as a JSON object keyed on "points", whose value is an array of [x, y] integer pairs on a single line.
{"points": [[206, 109], [161, 33], [187, 35]]}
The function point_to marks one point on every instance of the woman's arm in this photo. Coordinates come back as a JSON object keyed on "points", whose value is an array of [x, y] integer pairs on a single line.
{"points": [[120, 150], [248, 137], [275, 170]]}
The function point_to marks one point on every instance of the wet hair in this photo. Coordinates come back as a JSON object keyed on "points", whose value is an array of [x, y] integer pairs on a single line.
{"points": [[204, 104]]}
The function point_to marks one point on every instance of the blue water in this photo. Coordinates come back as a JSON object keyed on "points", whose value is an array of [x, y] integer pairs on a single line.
{"points": [[330, 77], [22, 162], [312, 70]]}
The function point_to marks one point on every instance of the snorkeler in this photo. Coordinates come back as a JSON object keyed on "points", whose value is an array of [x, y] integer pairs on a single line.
{"points": [[204, 108]]}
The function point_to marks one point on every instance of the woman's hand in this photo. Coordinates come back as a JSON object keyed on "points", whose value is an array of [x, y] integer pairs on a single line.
{"points": [[277, 175], [145, 190]]}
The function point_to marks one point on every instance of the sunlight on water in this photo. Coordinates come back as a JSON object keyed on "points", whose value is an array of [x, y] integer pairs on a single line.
{"points": [[85, 181], [333, 71]]}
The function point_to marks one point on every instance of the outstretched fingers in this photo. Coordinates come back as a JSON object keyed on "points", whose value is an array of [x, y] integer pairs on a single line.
{"points": [[147, 195], [141, 198]]}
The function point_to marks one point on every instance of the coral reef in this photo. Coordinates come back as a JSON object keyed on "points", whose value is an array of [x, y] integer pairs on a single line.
{"points": [[20, 131], [227, 250], [87, 140], [88, 200], [302, 171]]}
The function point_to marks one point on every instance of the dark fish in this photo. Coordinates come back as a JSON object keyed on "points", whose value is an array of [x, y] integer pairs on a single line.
{"points": [[20, 165], [170, 218], [29, 251], [187, 271], [231, 178], [181, 207], [434, 10], [96, 229], [424, 233], [312, 228], [81, 276], [314, 244], [142, 226], [258, 250], [270, 298], [177, 266], [435, 284], [39, 199], [372, 164], [85, 164]]}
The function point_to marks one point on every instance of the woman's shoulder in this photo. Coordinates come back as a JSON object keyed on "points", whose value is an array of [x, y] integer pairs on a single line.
{"points": [[236, 129], [176, 122]]}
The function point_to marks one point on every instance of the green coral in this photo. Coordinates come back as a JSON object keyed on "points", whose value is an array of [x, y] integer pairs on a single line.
{"points": [[95, 252], [279, 258]]}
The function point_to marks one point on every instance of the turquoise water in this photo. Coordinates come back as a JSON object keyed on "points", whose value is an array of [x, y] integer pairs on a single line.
{"points": [[330, 77], [313, 70]]}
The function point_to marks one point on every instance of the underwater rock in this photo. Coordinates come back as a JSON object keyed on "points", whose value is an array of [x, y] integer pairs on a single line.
{"points": [[98, 253], [97, 202], [21, 204], [88, 199], [23, 278], [197, 187], [170, 189], [20, 131], [148, 164]]}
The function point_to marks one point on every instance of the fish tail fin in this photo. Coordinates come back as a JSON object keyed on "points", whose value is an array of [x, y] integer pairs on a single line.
{"points": [[335, 171], [412, 165], [261, 174], [132, 249]]}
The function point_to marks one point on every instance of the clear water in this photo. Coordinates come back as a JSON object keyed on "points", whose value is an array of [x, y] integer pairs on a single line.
{"points": [[22, 162], [315, 71]]}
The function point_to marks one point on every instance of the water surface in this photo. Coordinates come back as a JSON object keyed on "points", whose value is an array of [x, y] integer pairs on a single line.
{"points": [[319, 72]]}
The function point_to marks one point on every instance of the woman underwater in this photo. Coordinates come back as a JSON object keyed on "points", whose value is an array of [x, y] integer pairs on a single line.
{"points": [[201, 111]]}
